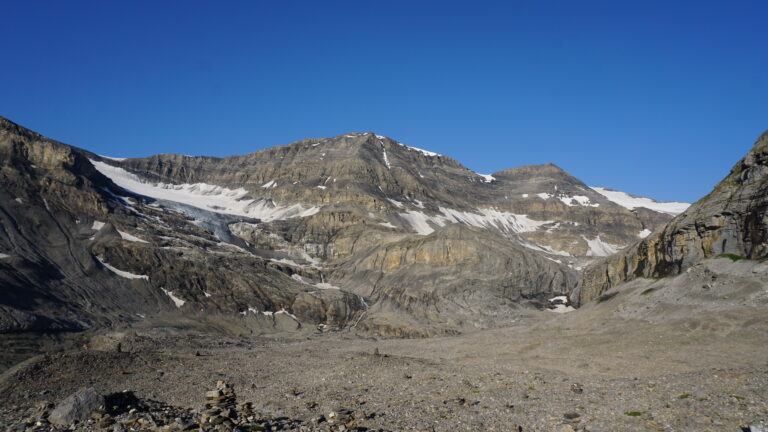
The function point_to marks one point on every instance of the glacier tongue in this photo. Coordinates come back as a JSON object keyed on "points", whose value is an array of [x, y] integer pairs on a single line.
{"points": [[205, 196]]}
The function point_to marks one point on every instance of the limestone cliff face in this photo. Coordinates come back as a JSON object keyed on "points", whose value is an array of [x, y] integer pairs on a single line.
{"points": [[386, 182], [732, 219], [74, 254], [454, 278], [357, 231]]}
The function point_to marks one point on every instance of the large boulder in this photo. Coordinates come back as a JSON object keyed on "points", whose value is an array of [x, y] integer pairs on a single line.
{"points": [[77, 407]]}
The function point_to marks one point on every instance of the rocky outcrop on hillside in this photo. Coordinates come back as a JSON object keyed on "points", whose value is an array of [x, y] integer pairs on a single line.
{"points": [[731, 220], [454, 278]]}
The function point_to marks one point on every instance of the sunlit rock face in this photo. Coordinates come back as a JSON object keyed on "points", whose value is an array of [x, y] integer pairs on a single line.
{"points": [[356, 231]]}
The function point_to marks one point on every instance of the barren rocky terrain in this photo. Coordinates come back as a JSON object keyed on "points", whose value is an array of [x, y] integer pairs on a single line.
{"points": [[589, 370]]}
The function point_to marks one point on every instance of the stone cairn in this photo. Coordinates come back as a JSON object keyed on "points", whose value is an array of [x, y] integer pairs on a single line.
{"points": [[223, 397], [220, 405]]}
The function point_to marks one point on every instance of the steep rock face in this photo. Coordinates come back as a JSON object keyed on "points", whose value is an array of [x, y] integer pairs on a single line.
{"points": [[353, 231], [732, 219], [378, 180], [75, 254], [456, 277]]}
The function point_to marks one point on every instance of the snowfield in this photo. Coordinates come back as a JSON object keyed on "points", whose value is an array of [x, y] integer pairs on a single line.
{"points": [[632, 202], [505, 222], [205, 196]]}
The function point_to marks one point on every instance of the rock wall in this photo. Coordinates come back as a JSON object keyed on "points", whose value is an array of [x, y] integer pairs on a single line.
{"points": [[732, 219]]}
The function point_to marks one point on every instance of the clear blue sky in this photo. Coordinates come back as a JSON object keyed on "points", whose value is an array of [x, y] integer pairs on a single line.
{"points": [[654, 98]]}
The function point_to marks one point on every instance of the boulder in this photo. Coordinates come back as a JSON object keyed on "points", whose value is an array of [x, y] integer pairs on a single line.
{"points": [[77, 407]]}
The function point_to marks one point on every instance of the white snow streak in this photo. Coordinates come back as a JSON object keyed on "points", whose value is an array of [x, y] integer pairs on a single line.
{"points": [[122, 273], [484, 218], [386, 159], [130, 238], [177, 301], [632, 202]]}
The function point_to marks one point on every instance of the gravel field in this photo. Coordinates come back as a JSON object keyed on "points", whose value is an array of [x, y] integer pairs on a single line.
{"points": [[587, 370]]}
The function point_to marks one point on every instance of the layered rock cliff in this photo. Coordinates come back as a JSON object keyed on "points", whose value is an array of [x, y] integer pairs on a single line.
{"points": [[355, 231], [732, 220]]}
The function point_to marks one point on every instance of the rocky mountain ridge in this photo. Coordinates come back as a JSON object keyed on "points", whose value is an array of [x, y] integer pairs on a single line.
{"points": [[354, 231]]}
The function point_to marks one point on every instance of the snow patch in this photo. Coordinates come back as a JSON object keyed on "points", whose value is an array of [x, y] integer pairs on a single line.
{"points": [[600, 248], [269, 184], [420, 222], [487, 178], [2, 256], [487, 218], [177, 301], [422, 151], [113, 158], [386, 159], [544, 195], [579, 199], [491, 218], [543, 248], [561, 308], [131, 238], [122, 273], [632, 202], [644, 233], [97, 226], [387, 224], [19, 200], [559, 305]]}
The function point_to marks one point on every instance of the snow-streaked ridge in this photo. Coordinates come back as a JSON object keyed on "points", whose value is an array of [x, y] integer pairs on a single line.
{"points": [[205, 196], [632, 202]]}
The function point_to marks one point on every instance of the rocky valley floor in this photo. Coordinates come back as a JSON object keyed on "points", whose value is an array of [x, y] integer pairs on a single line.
{"points": [[589, 370]]}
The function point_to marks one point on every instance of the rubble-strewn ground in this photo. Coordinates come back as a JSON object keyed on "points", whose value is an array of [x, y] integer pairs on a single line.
{"points": [[586, 370], [688, 353]]}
